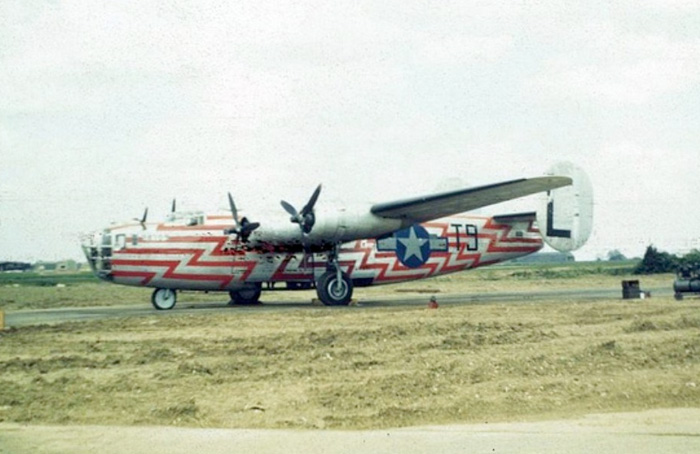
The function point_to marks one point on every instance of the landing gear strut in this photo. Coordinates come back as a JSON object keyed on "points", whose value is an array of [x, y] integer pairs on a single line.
{"points": [[334, 288]]}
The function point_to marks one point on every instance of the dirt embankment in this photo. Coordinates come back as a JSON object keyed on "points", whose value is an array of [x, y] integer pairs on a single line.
{"points": [[355, 368]]}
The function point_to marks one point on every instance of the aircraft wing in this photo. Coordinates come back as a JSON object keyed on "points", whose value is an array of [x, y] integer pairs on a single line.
{"points": [[422, 209]]}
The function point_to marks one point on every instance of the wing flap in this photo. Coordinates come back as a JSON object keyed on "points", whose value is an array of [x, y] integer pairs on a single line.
{"points": [[422, 209]]}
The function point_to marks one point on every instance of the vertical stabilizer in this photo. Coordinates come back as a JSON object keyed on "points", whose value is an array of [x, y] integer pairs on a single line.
{"points": [[565, 215]]}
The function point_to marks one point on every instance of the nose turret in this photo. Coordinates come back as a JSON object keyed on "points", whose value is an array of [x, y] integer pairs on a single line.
{"points": [[97, 247]]}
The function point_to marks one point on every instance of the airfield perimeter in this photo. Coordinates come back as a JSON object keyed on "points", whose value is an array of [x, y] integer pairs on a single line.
{"points": [[574, 348]]}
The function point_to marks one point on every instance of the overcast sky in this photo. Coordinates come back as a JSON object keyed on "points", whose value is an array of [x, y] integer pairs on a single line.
{"points": [[109, 107]]}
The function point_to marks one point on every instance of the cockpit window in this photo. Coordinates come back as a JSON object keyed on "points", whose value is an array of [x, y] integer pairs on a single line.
{"points": [[119, 242]]}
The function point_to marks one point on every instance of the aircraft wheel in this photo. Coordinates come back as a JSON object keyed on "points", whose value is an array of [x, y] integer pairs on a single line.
{"points": [[163, 299], [247, 295], [333, 292], [678, 296]]}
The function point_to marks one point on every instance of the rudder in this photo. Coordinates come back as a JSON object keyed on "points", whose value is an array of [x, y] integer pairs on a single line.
{"points": [[565, 215]]}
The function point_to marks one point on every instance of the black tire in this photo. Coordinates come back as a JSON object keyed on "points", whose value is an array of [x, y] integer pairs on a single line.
{"points": [[163, 299], [247, 295], [333, 293], [678, 296]]}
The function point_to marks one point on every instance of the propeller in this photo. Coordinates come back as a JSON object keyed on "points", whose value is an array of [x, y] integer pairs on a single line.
{"points": [[142, 221], [306, 217], [243, 227], [172, 209]]}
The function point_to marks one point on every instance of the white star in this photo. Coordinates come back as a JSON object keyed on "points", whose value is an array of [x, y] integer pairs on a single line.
{"points": [[413, 245]]}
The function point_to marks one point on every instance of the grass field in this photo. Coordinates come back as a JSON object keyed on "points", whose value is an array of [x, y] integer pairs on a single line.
{"points": [[354, 367]]}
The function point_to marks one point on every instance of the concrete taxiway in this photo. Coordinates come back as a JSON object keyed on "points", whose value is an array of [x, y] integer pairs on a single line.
{"points": [[51, 316], [67, 314]]}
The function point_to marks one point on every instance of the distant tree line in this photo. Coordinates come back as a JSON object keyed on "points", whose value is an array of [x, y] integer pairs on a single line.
{"points": [[616, 256], [655, 261]]}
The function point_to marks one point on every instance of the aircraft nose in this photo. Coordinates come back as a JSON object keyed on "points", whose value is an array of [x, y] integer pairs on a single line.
{"points": [[97, 249], [89, 243]]}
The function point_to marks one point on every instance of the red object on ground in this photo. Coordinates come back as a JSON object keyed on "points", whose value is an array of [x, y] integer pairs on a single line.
{"points": [[432, 304]]}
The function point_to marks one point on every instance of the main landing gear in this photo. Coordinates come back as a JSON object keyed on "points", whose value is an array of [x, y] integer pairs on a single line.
{"points": [[334, 288], [250, 294]]}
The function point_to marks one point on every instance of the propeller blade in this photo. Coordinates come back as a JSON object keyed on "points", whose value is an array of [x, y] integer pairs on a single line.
{"points": [[234, 211], [242, 228], [142, 221], [309, 207], [248, 228], [172, 209], [306, 218], [290, 209]]}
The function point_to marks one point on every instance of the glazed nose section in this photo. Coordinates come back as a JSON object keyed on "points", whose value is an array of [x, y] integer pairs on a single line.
{"points": [[97, 247], [88, 243]]}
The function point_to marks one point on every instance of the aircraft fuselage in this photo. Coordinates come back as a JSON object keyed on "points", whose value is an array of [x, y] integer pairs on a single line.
{"points": [[195, 254]]}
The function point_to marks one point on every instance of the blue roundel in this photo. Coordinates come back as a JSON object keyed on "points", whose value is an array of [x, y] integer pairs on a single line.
{"points": [[413, 246]]}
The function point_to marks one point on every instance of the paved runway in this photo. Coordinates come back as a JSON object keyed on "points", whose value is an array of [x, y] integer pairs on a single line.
{"points": [[67, 314]]}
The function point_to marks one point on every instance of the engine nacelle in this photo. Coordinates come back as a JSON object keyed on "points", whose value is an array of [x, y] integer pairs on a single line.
{"points": [[331, 226]]}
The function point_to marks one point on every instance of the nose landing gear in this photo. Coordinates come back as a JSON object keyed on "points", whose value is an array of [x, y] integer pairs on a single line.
{"points": [[163, 299]]}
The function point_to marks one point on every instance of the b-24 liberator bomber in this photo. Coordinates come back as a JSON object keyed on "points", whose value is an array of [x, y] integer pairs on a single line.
{"points": [[340, 248]]}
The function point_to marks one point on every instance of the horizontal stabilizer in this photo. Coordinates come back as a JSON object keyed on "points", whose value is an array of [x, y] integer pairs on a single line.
{"points": [[423, 209], [506, 218]]}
